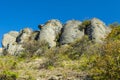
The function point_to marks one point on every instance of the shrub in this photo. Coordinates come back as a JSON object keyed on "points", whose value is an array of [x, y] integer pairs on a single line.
{"points": [[55, 56], [115, 34], [85, 24], [107, 67], [79, 47], [8, 62], [114, 25], [34, 48], [8, 75]]}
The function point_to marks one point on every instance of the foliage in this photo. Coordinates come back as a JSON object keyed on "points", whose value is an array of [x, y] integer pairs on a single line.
{"points": [[85, 24], [114, 25], [7, 65], [55, 56], [107, 67], [81, 46], [8, 62], [34, 48], [115, 34], [8, 75]]}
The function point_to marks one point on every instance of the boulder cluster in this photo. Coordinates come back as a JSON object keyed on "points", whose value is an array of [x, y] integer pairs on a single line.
{"points": [[53, 32]]}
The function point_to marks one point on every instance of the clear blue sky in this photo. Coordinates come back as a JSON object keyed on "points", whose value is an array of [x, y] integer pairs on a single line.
{"points": [[18, 14]]}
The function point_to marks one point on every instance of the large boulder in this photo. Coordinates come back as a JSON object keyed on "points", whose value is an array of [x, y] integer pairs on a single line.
{"points": [[24, 35], [97, 30], [9, 38], [71, 32], [9, 43], [14, 49], [50, 32]]}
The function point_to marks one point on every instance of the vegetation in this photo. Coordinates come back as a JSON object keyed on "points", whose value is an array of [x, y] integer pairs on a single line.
{"points": [[85, 24], [107, 66], [115, 34], [32, 48]]}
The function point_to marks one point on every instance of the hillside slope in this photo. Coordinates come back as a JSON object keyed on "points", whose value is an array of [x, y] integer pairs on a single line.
{"points": [[87, 50]]}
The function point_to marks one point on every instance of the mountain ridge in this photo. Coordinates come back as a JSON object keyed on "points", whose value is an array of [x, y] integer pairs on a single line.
{"points": [[54, 32]]}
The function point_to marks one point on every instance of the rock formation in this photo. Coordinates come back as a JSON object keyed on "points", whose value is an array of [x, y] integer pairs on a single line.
{"points": [[97, 30], [54, 32], [71, 32], [24, 35], [50, 31], [9, 43], [9, 38]]}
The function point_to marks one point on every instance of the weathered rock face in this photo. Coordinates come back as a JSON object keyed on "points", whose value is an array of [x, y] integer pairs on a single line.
{"points": [[14, 49], [54, 32], [24, 35], [9, 38], [35, 35], [97, 31], [71, 32], [50, 31], [9, 43]]}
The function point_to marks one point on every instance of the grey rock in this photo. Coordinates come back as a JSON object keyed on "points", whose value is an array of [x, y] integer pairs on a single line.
{"points": [[50, 31], [9, 43], [71, 32], [9, 38], [24, 35], [97, 31], [14, 49], [35, 35]]}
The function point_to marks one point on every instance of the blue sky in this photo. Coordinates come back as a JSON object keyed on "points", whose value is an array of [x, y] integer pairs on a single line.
{"points": [[18, 14]]}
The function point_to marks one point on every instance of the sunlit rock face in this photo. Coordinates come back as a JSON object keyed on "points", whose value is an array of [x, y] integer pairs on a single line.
{"points": [[50, 31], [9, 38], [71, 32], [24, 35], [54, 32], [97, 31], [9, 43]]}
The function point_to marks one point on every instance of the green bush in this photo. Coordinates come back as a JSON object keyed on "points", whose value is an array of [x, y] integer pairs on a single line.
{"points": [[8, 75], [55, 56], [107, 66], [79, 47], [115, 34]]}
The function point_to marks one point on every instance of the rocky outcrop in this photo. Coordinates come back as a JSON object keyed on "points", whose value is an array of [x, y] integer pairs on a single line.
{"points": [[24, 35], [54, 32], [9, 38], [9, 43], [71, 32], [14, 49], [97, 30], [50, 31]]}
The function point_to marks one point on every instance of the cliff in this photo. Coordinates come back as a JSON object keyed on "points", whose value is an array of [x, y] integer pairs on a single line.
{"points": [[55, 33]]}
